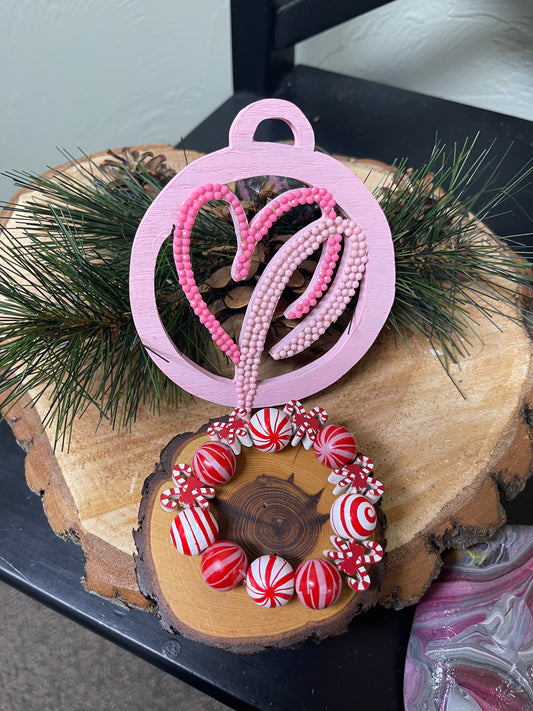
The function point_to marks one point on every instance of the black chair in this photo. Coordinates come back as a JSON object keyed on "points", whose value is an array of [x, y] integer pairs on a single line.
{"points": [[355, 117]]}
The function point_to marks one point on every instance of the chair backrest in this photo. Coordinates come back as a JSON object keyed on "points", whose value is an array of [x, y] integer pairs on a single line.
{"points": [[264, 33]]}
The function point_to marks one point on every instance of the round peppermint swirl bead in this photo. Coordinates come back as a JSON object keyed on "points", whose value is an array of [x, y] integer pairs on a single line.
{"points": [[353, 516], [270, 429], [214, 463], [270, 581], [334, 446], [193, 530], [224, 565], [317, 583]]}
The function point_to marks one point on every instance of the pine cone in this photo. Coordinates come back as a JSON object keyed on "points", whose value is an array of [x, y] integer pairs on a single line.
{"points": [[149, 171]]}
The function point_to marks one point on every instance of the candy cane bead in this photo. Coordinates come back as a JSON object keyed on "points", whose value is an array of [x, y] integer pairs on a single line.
{"points": [[270, 581], [181, 471], [353, 516], [214, 463], [270, 430], [193, 530], [167, 503], [317, 583], [361, 581], [375, 491], [224, 565], [334, 446]]}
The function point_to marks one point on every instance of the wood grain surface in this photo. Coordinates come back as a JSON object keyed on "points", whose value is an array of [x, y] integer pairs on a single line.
{"points": [[445, 458]]}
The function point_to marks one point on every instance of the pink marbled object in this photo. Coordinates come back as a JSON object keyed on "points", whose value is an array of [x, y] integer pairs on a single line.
{"points": [[471, 645]]}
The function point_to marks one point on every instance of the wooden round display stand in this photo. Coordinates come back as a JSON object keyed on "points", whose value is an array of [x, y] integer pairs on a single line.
{"points": [[274, 503], [445, 457]]}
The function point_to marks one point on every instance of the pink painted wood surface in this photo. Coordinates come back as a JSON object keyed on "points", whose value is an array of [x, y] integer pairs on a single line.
{"points": [[245, 158]]}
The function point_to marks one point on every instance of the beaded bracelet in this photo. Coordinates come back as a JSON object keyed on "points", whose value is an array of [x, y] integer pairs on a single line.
{"points": [[270, 580]]}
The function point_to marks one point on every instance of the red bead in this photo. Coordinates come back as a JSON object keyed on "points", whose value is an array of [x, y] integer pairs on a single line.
{"points": [[270, 430], [270, 581], [334, 446], [317, 583], [353, 516], [224, 565], [214, 463], [193, 530]]}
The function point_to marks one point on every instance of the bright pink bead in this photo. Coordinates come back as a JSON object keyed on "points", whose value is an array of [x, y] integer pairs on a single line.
{"points": [[214, 463], [317, 583], [193, 530], [224, 565], [353, 516], [270, 581], [270, 430], [335, 446]]}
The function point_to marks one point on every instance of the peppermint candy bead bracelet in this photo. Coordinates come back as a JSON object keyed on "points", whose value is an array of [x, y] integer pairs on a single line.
{"points": [[271, 580]]}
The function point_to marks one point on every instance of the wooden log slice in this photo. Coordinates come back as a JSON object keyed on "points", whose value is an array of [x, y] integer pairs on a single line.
{"points": [[445, 456], [274, 503]]}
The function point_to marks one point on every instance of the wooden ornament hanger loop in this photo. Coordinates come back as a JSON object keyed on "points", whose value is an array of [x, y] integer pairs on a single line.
{"points": [[244, 126]]}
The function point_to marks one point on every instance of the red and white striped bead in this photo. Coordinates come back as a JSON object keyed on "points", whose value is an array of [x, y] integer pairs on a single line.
{"points": [[193, 530], [353, 516], [270, 430], [317, 583], [270, 581], [224, 565], [214, 463], [168, 503], [334, 446]]}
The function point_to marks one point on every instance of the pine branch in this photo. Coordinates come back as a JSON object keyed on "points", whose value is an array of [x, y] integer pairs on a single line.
{"points": [[447, 275], [65, 321]]}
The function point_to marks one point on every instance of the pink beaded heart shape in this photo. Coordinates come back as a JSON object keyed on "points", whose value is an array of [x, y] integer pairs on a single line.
{"points": [[271, 284]]}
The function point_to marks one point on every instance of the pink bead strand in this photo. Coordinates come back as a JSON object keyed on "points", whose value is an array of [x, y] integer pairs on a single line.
{"points": [[266, 217], [263, 304], [332, 305], [331, 237], [182, 232]]}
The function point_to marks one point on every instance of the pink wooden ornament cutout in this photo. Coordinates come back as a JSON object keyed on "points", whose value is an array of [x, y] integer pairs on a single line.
{"points": [[367, 241]]}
